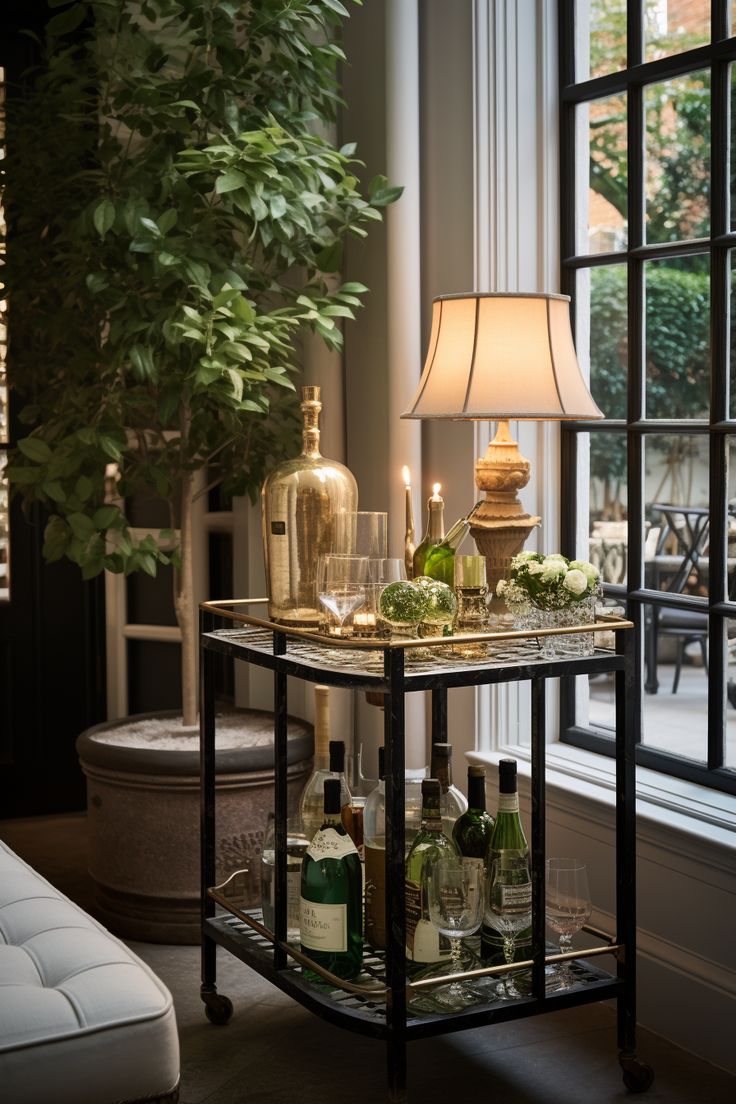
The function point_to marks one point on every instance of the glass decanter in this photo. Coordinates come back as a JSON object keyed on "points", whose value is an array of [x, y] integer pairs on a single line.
{"points": [[299, 502]]}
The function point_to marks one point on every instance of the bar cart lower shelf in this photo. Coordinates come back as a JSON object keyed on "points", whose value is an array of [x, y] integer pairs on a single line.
{"points": [[378, 1003]]}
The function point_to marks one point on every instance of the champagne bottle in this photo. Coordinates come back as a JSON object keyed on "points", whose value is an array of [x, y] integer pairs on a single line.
{"points": [[472, 831], [452, 801], [433, 534], [423, 941], [331, 928], [310, 803], [439, 561], [508, 834], [374, 828]]}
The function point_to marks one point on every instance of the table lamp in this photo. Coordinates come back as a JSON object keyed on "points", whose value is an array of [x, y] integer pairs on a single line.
{"points": [[494, 357]]}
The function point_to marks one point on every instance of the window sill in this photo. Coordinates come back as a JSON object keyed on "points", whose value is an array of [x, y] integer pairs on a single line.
{"points": [[664, 805]]}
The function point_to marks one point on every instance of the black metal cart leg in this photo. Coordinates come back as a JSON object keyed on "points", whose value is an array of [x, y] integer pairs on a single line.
{"points": [[637, 1075], [394, 727], [396, 1070], [218, 1008], [439, 715]]}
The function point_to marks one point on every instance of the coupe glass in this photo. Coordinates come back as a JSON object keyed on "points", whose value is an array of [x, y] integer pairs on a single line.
{"points": [[455, 897], [568, 908], [509, 908], [341, 587]]}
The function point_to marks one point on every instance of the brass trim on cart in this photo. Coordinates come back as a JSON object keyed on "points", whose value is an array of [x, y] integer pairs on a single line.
{"points": [[603, 623], [379, 993]]}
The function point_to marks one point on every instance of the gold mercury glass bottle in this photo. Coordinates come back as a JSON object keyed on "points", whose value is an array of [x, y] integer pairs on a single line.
{"points": [[299, 501]]}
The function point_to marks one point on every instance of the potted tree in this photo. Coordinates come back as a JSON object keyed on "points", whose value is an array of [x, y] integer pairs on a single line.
{"points": [[176, 218]]}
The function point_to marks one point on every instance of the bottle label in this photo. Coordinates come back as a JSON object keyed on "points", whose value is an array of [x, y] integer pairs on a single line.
{"points": [[293, 892], [413, 905], [329, 844], [423, 941], [474, 869], [508, 803], [323, 927], [516, 898]]}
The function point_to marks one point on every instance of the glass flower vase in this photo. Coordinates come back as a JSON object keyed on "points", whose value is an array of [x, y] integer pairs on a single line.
{"points": [[566, 645]]}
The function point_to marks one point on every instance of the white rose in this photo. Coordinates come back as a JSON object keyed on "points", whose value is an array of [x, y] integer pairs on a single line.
{"points": [[535, 568], [556, 556], [575, 581], [502, 587], [522, 558], [590, 572], [552, 569]]}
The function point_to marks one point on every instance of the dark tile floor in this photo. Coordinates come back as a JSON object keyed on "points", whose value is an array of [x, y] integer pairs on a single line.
{"points": [[274, 1052]]}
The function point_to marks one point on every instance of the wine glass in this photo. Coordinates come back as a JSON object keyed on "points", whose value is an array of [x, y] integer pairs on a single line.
{"points": [[568, 908], [455, 898], [341, 586], [509, 907]]}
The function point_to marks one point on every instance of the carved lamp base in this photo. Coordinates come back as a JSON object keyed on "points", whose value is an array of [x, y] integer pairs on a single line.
{"points": [[500, 526]]}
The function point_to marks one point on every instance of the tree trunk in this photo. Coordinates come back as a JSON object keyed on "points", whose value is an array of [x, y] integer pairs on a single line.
{"points": [[186, 614]]}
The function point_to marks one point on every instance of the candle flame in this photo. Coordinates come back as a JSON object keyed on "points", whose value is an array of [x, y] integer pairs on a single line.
{"points": [[406, 475], [436, 488]]}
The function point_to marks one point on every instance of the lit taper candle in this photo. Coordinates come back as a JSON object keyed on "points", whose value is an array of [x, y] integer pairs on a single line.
{"points": [[409, 537]]}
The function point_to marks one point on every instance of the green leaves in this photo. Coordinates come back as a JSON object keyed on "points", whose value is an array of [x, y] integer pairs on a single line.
{"points": [[103, 216], [186, 232]]}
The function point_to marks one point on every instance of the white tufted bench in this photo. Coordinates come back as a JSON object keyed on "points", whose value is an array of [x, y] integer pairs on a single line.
{"points": [[82, 1020]]}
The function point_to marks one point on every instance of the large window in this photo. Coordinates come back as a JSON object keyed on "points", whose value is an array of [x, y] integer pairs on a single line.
{"points": [[649, 258]]}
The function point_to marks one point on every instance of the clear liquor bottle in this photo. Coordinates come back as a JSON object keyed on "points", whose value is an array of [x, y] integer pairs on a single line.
{"points": [[329, 762], [507, 835], [452, 801], [332, 895], [299, 502], [374, 829], [423, 942]]}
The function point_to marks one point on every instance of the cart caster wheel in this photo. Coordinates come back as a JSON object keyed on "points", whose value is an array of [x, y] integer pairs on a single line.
{"points": [[218, 1009], [637, 1075]]}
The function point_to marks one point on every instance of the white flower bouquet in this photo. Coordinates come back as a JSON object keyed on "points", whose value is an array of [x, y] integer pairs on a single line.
{"points": [[548, 582]]}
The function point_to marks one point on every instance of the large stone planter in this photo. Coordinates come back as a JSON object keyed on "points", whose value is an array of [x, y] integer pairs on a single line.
{"points": [[143, 809]]}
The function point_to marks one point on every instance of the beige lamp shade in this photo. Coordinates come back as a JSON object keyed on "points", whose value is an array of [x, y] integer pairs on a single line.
{"points": [[500, 356]]}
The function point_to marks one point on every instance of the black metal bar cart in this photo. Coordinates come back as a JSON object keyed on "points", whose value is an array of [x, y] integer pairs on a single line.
{"points": [[376, 1004]]}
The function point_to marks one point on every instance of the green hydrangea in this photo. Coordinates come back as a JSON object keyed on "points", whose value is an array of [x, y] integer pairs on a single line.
{"points": [[403, 603]]}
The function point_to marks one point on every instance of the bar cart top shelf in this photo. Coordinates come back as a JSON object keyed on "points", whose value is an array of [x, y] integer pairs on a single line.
{"points": [[513, 655]]}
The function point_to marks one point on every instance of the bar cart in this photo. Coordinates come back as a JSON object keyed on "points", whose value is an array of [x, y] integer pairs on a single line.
{"points": [[376, 1003]]}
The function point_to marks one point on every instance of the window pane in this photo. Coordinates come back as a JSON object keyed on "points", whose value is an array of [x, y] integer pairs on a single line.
{"points": [[677, 337], [671, 26], [676, 518], [607, 339], [732, 340], [731, 546], [678, 158], [730, 745], [607, 184], [604, 21], [608, 537], [676, 715]]}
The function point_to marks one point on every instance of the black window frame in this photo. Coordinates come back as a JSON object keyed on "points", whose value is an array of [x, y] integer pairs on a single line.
{"points": [[716, 56]]}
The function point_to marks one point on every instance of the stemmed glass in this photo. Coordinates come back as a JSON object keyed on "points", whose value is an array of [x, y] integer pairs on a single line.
{"points": [[455, 897], [509, 908], [341, 586], [568, 908]]}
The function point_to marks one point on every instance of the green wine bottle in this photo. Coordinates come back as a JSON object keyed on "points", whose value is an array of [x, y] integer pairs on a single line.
{"points": [[508, 834], [433, 534], [472, 831], [423, 941], [331, 913]]}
